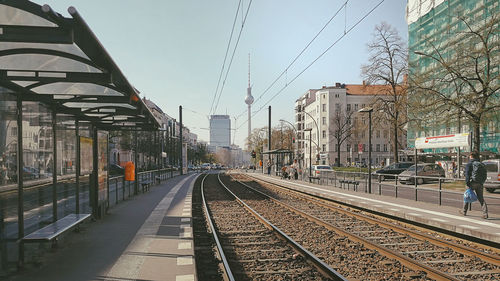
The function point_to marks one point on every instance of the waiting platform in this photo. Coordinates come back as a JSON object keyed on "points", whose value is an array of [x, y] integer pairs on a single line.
{"points": [[148, 237], [443, 217]]}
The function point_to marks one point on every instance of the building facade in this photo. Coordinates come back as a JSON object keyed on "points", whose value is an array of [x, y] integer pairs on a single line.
{"points": [[220, 130], [437, 26], [320, 113]]}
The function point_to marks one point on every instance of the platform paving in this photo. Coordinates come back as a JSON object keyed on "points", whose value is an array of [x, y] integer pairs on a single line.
{"points": [[443, 217], [148, 237]]}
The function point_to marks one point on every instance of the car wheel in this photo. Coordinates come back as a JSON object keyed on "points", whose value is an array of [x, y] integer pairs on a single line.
{"points": [[420, 181], [490, 190]]}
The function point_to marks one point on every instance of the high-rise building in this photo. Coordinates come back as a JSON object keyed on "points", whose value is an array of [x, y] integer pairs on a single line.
{"points": [[437, 26], [220, 130]]}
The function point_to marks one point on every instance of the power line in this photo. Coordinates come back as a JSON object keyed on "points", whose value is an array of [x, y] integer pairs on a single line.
{"points": [[315, 60], [225, 57], [300, 54], [232, 56]]}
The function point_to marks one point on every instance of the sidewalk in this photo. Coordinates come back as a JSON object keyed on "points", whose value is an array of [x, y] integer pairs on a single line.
{"points": [[148, 237], [443, 217]]}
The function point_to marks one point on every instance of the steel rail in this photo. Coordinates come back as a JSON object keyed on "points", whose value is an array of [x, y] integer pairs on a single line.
{"points": [[493, 259], [226, 268], [319, 264], [415, 265]]}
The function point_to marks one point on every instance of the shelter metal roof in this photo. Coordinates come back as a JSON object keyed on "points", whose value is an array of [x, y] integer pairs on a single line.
{"points": [[59, 61]]}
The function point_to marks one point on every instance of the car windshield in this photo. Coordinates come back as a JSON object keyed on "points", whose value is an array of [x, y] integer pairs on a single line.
{"points": [[323, 168], [491, 167], [412, 168]]}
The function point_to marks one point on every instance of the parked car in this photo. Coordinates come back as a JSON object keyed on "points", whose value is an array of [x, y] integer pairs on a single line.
{"points": [[493, 174], [424, 170], [319, 169], [394, 169]]}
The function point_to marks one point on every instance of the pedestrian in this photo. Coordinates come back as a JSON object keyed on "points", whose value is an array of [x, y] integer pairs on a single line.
{"points": [[454, 165], [475, 176]]}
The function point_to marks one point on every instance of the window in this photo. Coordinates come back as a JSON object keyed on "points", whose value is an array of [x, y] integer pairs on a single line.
{"points": [[323, 121], [363, 134], [349, 148], [364, 147], [385, 147], [13, 131], [385, 134], [355, 107], [378, 133], [324, 147], [324, 134], [378, 147], [323, 107], [363, 120], [337, 107], [337, 95], [348, 107]]}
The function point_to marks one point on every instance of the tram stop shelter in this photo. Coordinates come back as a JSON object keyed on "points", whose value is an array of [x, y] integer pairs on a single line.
{"points": [[60, 93], [279, 157]]}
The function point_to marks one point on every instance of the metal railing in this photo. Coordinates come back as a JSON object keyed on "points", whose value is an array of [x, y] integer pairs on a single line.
{"points": [[435, 190]]}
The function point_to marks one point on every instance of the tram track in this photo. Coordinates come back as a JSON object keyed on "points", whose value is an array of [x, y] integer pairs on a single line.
{"points": [[441, 259], [250, 247]]}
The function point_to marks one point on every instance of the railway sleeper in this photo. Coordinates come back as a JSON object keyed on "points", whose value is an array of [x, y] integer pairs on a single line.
{"points": [[424, 252], [447, 261], [402, 244], [382, 237], [486, 272]]}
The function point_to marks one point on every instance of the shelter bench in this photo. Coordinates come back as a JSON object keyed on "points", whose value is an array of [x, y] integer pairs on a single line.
{"points": [[314, 178], [349, 182], [52, 231]]}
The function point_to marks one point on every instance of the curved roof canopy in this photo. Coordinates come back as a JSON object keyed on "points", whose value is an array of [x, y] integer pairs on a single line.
{"points": [[59, 61]]}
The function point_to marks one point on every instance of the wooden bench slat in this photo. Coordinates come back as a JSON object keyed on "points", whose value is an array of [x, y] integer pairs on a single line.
{"points": [[55, 229]]}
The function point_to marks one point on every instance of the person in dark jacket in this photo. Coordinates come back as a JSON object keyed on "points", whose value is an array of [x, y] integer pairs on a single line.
{"points": [[476, 186]]}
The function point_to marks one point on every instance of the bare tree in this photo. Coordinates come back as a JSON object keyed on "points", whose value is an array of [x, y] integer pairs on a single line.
{"points": [[341, 129], [388, 66], [463, 79]]}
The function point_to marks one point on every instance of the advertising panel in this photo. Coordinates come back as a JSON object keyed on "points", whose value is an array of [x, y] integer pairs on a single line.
{"points": [[85, 155], [458, 140], [102, 168]]}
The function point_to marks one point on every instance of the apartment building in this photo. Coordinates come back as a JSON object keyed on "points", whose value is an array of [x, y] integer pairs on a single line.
{"points": [[321, 113]]}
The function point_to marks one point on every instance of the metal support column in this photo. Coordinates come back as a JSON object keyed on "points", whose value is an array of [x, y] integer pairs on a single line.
{"points": [[20, 165], [54, 165], [94, 184], [181, 168], [269, 141], [136, 160], [107, 175], [78, 167]]}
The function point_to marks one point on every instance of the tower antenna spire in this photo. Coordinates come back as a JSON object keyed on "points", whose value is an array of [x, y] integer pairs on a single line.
{"points": [[248, 70]]}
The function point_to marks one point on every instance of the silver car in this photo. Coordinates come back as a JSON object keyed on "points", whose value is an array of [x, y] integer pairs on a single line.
{"points": [[427, 171], [493, 174]]}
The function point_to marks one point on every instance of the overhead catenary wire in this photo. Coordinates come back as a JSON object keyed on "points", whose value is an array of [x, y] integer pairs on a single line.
{"points": [[232, 56], [299, 55], [225, 57], [315, 60]]}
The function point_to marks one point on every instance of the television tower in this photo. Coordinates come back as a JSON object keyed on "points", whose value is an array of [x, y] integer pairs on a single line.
{"points": [[249, 100]]}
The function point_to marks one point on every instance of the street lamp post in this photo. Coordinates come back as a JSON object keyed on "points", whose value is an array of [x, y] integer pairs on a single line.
{"points": [[317, 128], [369, 110], [310, 153]]}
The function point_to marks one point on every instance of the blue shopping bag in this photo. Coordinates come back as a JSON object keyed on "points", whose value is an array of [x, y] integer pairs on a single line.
{"points": [[469, 196]]}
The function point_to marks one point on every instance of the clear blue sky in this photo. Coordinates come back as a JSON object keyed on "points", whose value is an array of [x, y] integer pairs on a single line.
{"points": [[172, 50]]}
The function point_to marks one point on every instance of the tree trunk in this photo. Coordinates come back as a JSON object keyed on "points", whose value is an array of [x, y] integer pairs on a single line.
{"points": [[477, 135], [338, 155], [395, 149]]}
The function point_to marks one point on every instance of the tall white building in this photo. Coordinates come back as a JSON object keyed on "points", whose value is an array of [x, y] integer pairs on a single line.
{"points": [[320, 110], [220, 130]]}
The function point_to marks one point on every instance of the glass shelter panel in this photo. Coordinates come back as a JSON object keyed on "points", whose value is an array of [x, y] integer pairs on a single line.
{"points": [[38, 165], [8, 174]]}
